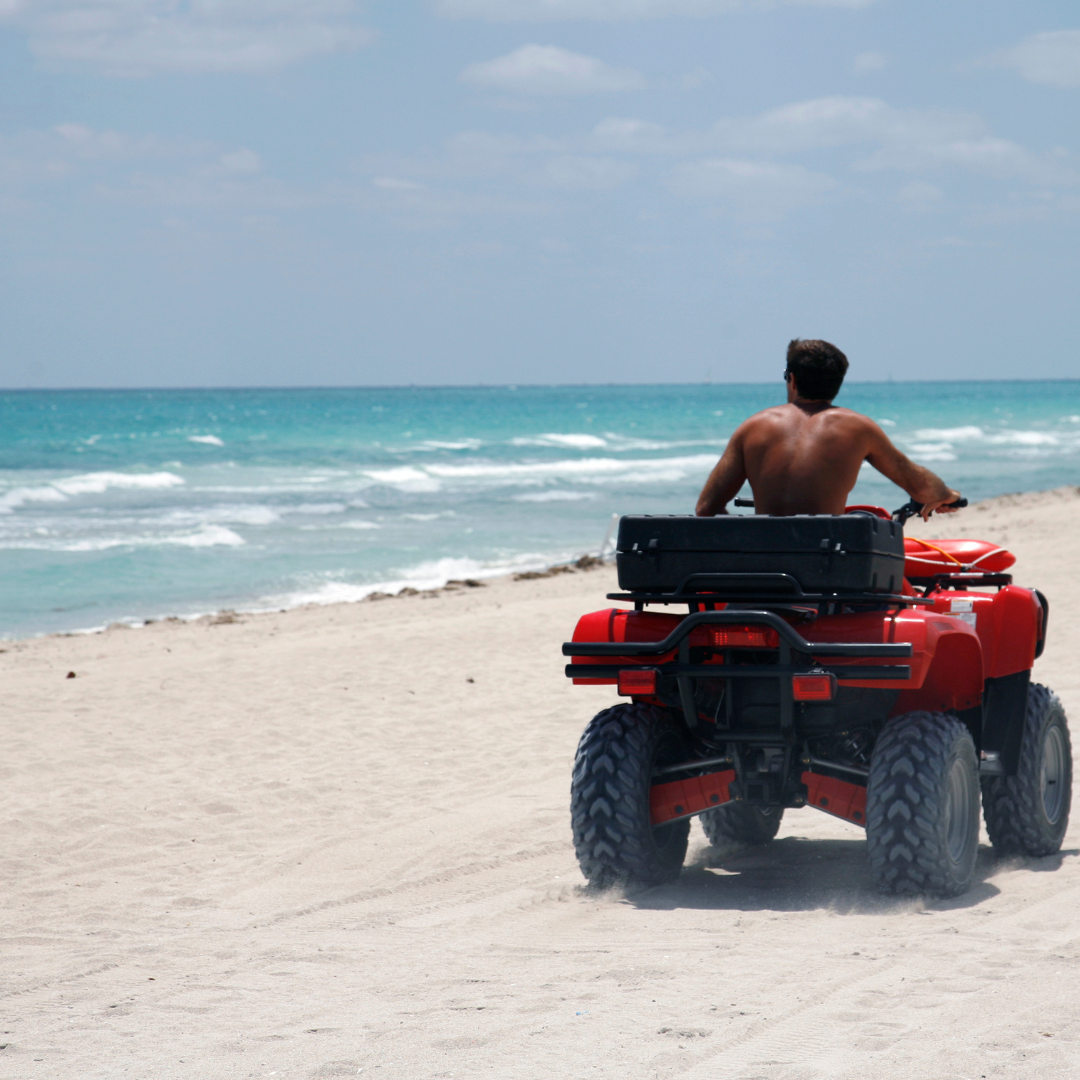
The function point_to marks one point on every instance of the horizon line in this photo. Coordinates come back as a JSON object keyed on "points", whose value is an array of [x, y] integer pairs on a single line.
{"points": [[496, 386]]}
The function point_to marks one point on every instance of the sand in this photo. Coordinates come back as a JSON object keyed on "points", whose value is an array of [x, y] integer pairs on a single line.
{"points": [[335, 842]]}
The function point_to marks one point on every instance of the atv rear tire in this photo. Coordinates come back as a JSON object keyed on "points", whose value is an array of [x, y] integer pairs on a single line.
{"points": [[922, 806], [1027, 814], [614, 838], [738, 825]]}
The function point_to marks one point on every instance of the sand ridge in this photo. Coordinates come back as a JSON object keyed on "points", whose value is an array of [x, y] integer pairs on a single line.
{"points": [[307, 845]]}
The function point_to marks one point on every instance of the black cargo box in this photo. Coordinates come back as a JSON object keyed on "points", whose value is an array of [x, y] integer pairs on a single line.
{"points": [[819, 553]]}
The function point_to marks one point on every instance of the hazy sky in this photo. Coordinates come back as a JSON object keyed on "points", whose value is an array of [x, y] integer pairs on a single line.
{"points": [[297, 192]]}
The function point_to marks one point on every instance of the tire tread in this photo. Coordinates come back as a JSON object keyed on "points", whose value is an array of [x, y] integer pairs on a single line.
{"points": [[905, 838], [1014, 817], [609, 800]]}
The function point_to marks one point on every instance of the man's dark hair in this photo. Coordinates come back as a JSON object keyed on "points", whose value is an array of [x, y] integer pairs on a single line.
{"points": [[819, 369]]}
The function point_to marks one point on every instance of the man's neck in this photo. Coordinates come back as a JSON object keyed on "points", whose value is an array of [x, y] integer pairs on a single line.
{"points": [[807, 405]]}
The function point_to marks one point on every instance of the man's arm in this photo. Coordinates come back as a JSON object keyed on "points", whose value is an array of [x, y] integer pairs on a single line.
{"points": [[918, 481], [724, 481]]}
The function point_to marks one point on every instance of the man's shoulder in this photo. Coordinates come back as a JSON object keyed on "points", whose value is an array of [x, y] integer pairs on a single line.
{"points": [[773, 414], [854, 420], [847, 415]]}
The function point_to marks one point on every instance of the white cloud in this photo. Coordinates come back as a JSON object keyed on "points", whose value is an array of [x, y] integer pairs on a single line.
{"points": [[821, 123], [86, 143], [67, 150], [756, 189], [1051, 58], [147, 37], [869, 61], [988, 156], [614, 10], [549, 70], [592, 173], [912, 140], [638, 136]]}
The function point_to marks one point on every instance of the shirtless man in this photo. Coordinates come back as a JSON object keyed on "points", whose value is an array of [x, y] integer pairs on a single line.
{"points": [[804, 457]]}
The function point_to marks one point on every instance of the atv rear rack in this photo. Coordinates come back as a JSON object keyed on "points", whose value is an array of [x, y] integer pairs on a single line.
{"points": [[797, 657], [790, 639], [709, 589]]}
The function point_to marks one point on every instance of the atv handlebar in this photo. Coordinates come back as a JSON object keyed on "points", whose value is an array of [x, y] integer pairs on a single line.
{"points": [[908, 510], [913, 509]]}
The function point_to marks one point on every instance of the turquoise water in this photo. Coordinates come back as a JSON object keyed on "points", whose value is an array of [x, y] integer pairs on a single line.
{"points": [[139, 504]]}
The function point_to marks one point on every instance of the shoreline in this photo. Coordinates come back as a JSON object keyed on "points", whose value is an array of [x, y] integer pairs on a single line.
{"points": [[938, 527], [221, 616]]}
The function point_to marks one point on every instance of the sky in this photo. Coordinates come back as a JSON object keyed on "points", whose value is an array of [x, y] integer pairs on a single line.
{"points": [[329, 192]]}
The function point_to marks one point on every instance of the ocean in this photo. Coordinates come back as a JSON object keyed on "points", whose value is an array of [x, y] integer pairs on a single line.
{"points": [[122, 506]]}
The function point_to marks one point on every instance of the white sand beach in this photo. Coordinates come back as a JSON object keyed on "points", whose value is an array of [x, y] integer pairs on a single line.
{"points": [[335, 842]]}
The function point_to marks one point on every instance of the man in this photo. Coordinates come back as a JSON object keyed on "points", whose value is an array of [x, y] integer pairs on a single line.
{"points": [[804, 457]]}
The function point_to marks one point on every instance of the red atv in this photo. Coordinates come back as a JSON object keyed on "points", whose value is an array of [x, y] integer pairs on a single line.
{"points": [[823, 661]]}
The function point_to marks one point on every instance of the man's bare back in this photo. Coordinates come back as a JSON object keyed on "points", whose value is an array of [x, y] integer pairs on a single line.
{"points": [[804, 458]]}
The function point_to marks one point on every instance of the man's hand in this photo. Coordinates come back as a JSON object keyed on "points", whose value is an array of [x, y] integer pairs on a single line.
{"points": [[917, 480], [941, 506]]}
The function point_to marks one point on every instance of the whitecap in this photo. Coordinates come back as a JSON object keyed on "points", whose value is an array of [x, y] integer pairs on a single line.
{"points": [[554, 496], [208, 536], [98, 482], [358, 525], [404, 478], [236, 514], [577, 442], [19, 496], [581, 470], [314, 508], [84, 484], [211, 536], [887, 423], [1025, 438], [460, 444], [572, 441], [210, 440], [958, 434]]}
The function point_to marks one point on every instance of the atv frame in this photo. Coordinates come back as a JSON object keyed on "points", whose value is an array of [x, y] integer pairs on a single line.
{"points": [[888, 710]]}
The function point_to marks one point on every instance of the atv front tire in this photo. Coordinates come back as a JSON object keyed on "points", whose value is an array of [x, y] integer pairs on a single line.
{"points": [[614, 838], [1027, 814], [738, 825], [922, 806]]}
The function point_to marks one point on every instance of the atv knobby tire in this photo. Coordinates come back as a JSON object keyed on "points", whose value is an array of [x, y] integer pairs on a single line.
{"points": [[922, 806], [615, 841], [1027, 814], [738, 825]]}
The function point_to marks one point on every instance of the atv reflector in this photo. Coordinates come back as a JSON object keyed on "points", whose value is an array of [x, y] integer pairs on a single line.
{"points": [[820, 686], [637, 681], [745, 637]]}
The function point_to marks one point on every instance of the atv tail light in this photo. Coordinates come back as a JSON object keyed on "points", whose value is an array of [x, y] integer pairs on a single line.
{"points": [[816, 687], [745, 637], [637, 681]]}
